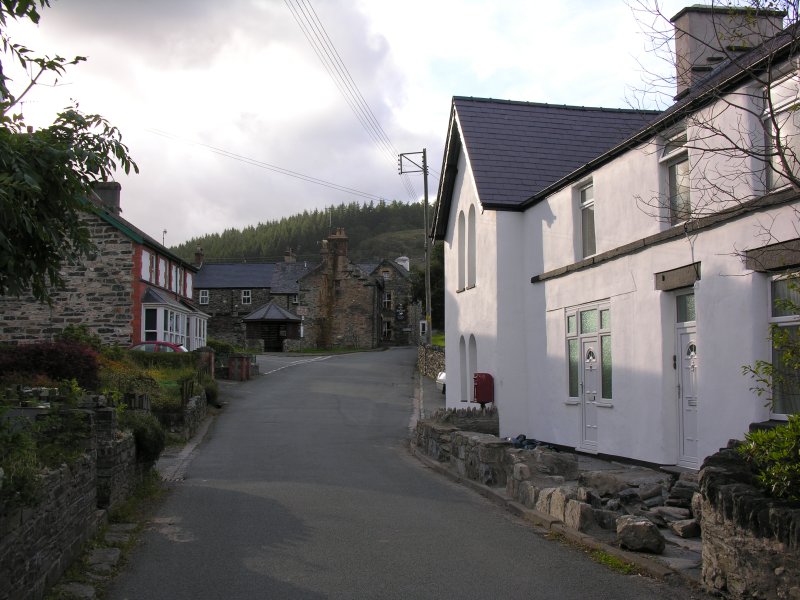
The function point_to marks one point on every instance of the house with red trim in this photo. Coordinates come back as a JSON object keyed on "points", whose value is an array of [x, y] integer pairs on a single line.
{"points": [[131, 289]]}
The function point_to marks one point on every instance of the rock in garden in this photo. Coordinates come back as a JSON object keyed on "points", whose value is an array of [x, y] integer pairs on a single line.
{"points": [[639, 534], [687, 528]]}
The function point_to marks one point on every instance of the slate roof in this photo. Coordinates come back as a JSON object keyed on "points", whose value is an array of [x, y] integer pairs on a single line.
{"points": [[234, 275], [518, 146], [285, 276], [516, 149], [272, 312], [153, 296]]}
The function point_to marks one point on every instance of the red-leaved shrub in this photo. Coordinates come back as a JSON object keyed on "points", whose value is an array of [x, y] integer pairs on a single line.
{"points": [[58, 361]]}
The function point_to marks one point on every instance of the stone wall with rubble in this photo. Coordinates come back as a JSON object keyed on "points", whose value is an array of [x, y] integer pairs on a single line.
{"points": [[751, 543], [38, 543], [97, 293]]}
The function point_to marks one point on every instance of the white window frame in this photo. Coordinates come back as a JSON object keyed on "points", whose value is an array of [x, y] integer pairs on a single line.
{"points": [[295, 298], [387, 300], [247, 297], [202, 297], [784, 104], [781, 321], [586, 205], [674, 154]]}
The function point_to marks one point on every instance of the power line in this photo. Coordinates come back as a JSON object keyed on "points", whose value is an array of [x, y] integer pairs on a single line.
{"points": [[270, 167], [319, 40]]}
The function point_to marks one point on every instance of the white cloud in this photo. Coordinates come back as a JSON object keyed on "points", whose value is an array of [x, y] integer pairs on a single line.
{"points": [[241, 76]]}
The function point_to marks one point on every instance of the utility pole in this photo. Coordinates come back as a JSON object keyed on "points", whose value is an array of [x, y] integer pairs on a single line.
{"points": [[422, 168]]}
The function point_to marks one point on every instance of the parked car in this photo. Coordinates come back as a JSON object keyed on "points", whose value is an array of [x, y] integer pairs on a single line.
{"points": [[441, 380], [158, 347]]}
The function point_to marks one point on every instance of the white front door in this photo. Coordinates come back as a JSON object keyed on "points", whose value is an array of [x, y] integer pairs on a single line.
{"points": [[589, 392], [687, 367]]}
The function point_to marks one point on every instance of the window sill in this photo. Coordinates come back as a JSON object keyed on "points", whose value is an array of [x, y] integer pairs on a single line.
{"points": [[572, 402], [604, 405]]}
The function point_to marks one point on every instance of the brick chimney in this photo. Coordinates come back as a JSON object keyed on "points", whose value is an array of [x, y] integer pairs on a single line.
{"points": [[108, 192], [706, 35]]}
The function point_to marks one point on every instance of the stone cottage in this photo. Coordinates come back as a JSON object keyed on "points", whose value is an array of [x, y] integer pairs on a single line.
{"points": [[131, 289]]}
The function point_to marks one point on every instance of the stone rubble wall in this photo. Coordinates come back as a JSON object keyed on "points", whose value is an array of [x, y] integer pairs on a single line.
{"points": [[186, 422], [38, 544], [479, 457], [751, 543], [430, 360]]}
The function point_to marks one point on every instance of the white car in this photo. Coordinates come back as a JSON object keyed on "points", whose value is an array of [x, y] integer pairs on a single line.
{"points": [[441, 380]]}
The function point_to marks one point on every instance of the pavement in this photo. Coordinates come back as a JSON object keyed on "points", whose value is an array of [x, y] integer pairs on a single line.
{"points": [[682, 558]]}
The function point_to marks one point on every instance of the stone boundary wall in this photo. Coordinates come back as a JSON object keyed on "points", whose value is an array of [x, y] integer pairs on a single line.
{"points": [[480, 457], [430, 360], [117, 471], [38, 544], [186, 422], [751, 543]]}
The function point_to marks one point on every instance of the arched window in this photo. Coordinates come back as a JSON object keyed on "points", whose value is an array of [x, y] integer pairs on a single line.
{"points": [[473, 364], [471, 250], [463, 370], [462, 249]]}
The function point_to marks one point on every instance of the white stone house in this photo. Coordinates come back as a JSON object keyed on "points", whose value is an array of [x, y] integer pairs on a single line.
{"points": [[598, 267]]}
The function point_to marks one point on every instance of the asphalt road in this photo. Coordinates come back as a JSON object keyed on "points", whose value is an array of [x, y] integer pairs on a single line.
{"points": [[303, 488]]}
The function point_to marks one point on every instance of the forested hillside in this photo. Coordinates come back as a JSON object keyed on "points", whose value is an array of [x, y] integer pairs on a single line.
{"points": [[382, 230]]}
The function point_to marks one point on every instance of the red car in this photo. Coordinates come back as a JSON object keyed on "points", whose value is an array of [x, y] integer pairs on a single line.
{"points": [[158, 347]]}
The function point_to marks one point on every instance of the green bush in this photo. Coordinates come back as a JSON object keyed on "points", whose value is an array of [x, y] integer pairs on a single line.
{"points": [[19, 463], [221, 347], [212, 390], [147, 432], [775, 456]]}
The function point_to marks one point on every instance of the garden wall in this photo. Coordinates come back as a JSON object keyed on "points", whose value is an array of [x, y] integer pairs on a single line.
{"points": [[38, 544], [751, 543]]}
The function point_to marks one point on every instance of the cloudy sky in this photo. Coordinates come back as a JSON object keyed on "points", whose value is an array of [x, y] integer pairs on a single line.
{"points": [[206, 92]]}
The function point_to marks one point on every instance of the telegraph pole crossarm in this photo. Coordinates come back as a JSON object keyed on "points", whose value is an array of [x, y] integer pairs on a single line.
{"points": [[422, 168]]}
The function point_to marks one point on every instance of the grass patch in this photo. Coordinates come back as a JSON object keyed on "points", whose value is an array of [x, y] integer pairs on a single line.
{"points": [[612, 562], [138, 506], [437, 339]]}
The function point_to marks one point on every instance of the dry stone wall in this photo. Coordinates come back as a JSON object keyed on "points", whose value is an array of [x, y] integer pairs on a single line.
{"points": [[38, 544], [751, 543]]}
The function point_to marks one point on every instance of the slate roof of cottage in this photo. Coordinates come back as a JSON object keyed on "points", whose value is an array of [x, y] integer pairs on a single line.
{"points": [[133, 232], [517, 149], [285, 276], [507, 142], [272, 312], [234, 275], [153, 296]]}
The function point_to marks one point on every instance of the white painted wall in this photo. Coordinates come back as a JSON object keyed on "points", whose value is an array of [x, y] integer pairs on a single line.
{"points": [[520, 327]]}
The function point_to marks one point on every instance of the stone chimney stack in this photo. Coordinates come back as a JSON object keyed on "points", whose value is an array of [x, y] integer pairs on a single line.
{"points": [[108, 192], [706, 35], [289, 256], [199, 256], [338, 242]]}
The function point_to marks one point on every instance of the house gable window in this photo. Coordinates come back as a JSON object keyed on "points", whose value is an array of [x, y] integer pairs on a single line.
{"points": [[471, 248], [203, 297], [461, 244], [386, 274], [784, 303], [675, 161], [588, 243], [246, 297], [782, 131]]}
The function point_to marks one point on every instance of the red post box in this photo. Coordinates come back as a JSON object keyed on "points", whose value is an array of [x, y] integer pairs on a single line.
{"points": [[483, 388]]}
